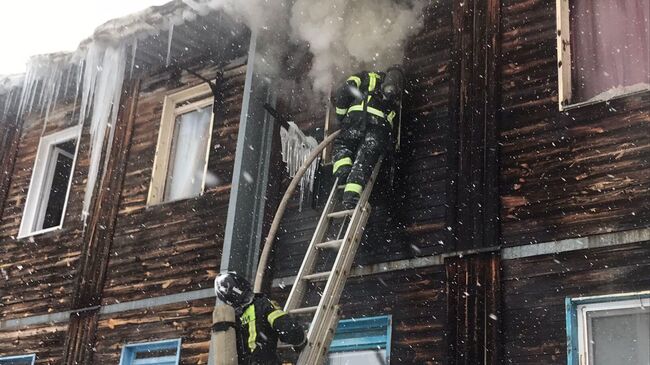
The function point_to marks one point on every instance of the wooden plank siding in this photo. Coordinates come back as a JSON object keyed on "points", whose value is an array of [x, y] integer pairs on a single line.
{"points": [[417, 302], [534, 289], [564, 174], [189, 321], [176, 246], [46, 341], [38, 271]]}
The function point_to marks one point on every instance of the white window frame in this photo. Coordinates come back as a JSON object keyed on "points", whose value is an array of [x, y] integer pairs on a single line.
{"points": [[580, 349], [166, 135], [564, 60], [41, 175], [20, 357], [126, 358]]}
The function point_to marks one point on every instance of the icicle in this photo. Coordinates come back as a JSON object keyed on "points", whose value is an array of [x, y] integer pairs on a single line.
{"points": [[8, 100], [296, 147], [102, 89], [134, 50], [169, 44], [42, 84], [80, 71]]}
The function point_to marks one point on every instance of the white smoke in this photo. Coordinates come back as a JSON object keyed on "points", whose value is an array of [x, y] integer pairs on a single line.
{"points": [[344, 36], [348, 35]]}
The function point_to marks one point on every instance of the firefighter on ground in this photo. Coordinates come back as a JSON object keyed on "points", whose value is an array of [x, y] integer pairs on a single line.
{"points": [[259, 322], [366, 107]]}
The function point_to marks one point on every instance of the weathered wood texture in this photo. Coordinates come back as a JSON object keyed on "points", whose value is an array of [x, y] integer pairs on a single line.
{"points": [[46, 341], [416, 301], [473, 98], [473, 309], [98, 234], [534, 289], [408, 219], [581, 172], [175, 246], [79, 340], [38, 271], [10, 131], [191, 322]]}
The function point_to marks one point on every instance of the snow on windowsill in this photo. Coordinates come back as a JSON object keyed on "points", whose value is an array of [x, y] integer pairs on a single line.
{"points": [[611, 94]]}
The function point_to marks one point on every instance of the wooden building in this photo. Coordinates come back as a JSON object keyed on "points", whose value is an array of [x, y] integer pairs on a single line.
{"points": [[515, 230]]}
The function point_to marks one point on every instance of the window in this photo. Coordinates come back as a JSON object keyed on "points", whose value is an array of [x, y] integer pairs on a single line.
{"points": [[51, 178], [183, 146], [603, 49], [609, 330], [18, 360], [166, 352], [362, 341]]}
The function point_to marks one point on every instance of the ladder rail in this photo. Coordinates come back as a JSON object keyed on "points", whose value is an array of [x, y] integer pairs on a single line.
{"points": [[338, 276], [319, 341], [298, 289]]}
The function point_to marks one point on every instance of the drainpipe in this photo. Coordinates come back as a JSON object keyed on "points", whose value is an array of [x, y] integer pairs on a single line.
{"points": [[246, 206]]}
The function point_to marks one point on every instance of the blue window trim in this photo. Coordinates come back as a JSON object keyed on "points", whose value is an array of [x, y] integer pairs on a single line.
{"points": [[571, 313], [20, 357], [367, 333], [131, 349]]}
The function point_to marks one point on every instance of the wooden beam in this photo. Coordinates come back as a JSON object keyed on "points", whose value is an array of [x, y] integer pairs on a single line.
{"points": [[563, 53], [473, 309], [472, 150], [98, 237]]}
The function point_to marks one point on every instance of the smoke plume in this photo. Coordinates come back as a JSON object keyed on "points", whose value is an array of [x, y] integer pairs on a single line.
{"points": [[344, 36]]}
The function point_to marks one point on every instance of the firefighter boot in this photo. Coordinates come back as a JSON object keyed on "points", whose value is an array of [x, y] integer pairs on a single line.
{"points": [[342, 174], [351, 195]]}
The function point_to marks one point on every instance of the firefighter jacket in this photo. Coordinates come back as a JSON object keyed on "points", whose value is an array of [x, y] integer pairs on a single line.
{"points": [[361, 93], [259, 326]]}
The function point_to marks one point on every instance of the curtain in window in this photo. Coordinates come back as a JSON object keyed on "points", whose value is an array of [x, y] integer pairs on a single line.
{"points": [[610, 47], [188, 155]]}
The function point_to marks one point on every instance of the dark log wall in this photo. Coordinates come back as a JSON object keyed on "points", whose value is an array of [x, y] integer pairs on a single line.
{"points": [[413, 221], [189, 321], [176, 246], [38, 272], [534, 290], [416, 301], [585, 171], [473, 309], [46, 341]]}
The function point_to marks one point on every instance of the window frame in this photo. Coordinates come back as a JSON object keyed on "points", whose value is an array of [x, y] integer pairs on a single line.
{"points": [[41, 173], [128, 350], [20, 357], [364, 342], [577, 329], [564, 61], [166, 135]]}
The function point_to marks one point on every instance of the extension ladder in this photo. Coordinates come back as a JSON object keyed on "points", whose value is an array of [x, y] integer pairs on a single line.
{"points": [[334, 222]]}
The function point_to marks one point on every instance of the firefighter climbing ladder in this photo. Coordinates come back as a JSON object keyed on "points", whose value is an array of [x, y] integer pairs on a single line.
{"points": [[351, 223]]}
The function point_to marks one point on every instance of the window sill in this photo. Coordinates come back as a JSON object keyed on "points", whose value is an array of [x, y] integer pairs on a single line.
{"points": [[178, 201], [41, 232], [587, 103]]}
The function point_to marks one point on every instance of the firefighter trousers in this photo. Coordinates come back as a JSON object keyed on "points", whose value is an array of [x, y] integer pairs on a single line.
{"points": [[359, 146]]}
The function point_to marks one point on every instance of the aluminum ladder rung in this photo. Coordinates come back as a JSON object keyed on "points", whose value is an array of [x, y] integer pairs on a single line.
{"points": [[341, 213], [326, 313], [334, 244], [304, 310], [317, 276]]}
